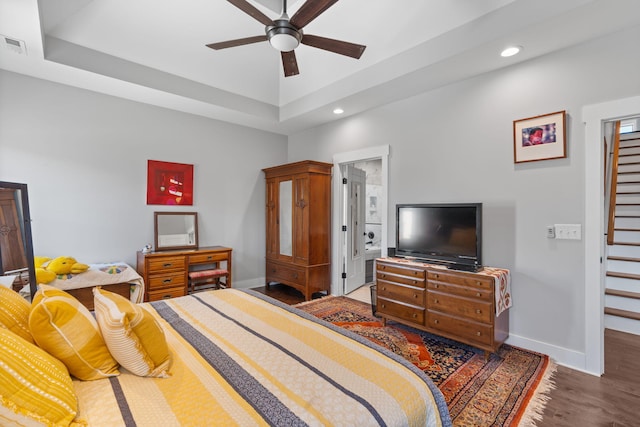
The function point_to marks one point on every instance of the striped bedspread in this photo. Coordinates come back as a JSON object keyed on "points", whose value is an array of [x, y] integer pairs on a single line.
{"points": [[241, 358]]}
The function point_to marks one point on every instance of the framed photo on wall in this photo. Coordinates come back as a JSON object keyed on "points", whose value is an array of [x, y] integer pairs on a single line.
{"points": [[169, 183], [540, 138]]}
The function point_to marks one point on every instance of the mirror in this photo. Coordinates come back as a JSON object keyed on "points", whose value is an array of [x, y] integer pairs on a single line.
{"points": [[176, 230], [16, 245], [286, 219]]}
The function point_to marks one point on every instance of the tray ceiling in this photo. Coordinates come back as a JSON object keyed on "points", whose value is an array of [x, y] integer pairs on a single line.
{"points": [[154, 51]]}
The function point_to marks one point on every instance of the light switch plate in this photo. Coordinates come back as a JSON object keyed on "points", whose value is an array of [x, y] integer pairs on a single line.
{"points": [[568, 231]]}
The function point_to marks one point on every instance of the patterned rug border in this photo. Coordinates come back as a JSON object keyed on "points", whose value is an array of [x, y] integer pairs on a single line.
{"points": [[533, 403]]}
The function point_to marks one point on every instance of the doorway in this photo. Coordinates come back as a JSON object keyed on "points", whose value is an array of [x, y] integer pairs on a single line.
{"points": [[343, 241], [594, 117]]}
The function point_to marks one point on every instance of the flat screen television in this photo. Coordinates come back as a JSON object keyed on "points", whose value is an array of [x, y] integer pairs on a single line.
{"points": [[449, 234]]}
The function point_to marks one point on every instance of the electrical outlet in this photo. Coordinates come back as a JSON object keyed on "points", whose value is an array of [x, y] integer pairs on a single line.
{"points": [[551, 232]]}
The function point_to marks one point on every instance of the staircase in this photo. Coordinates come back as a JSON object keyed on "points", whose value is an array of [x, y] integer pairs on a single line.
{"points": [[622, 285]]}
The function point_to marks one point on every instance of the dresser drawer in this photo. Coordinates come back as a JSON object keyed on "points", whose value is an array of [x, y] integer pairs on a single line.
{"points": [[405, 280], [286, 273], [464, 329], [166, 293], [207, 258], [408, 312], [406, 294], [407, 271], [479, 293], [166, 264], [167, 280], [471, 309], [474, 281]]}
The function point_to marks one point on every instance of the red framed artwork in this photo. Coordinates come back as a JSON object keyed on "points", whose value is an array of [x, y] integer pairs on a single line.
{"points": [[169, 183]]}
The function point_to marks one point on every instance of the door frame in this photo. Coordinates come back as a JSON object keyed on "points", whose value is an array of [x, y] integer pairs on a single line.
{"points": [[337, 249], [595, 116]]}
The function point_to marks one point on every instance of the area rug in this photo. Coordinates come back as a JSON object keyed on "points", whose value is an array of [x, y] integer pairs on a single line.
{"points": [[510, 389]]}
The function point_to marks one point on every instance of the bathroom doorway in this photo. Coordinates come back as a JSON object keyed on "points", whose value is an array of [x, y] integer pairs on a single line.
{"points": [[373, 214]]}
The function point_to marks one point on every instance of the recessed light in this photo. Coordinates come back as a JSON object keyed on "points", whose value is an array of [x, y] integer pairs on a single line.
{"points": [[338, 111], [510, 51]]}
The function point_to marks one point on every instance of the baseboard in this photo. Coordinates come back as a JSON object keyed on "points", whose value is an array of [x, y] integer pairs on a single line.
{"points": [[562, 356]]}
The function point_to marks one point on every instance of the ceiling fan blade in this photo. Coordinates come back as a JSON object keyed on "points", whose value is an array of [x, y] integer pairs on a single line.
{"points": [[250, 10], [336, 46], [289, 64], [237, 42], [310, 11]]}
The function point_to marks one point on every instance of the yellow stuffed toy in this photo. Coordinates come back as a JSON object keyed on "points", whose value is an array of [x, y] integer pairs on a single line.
{"points": [[47, 269]]}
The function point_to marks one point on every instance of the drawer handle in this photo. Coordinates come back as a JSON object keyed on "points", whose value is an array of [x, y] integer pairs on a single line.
{"points": [[415, 281], [209, 257], [167, 264], [383, 306], [295, 275], [437, 276], [478, 294], [273, 270], [415, 315], [167, 296], [436, 286], [382, 267], [436, 321], [479, 283], [415, 295], [437, 301], [167, 281], [384, 288], [478, 333], [479, 311], [384, 276]]}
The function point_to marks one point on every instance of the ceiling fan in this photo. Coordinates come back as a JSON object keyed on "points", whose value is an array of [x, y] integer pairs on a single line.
{"points": [[285, 34]]}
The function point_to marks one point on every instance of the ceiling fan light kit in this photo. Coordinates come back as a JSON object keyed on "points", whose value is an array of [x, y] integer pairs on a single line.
{"points": [[286, 34], [283, 36]]}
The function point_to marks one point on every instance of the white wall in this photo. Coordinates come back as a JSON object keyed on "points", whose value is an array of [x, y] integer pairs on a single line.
{"points": [[456, 144], [84, 157]]}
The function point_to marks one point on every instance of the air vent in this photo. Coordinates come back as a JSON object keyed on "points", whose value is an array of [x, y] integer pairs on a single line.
{"points": [[14, 45]]}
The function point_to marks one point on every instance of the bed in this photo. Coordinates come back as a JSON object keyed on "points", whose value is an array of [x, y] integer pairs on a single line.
{"points": [[242, 358], [117, 277]]}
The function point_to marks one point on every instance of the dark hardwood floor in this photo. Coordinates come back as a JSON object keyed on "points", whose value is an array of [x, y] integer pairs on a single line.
{"points": [[613, 399], [282, 293], [579, 399]]}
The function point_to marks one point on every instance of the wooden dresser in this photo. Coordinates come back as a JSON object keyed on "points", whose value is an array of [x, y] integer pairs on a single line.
{"points": [[454, 304], [298, 220], [165, 273]]}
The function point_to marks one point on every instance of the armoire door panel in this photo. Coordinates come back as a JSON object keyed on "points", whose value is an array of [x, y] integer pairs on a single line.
{"points": [[301, 220], [272, 218]]}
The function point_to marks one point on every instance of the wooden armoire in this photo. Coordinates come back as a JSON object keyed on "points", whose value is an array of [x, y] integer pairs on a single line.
{"points": [[298, 215]]}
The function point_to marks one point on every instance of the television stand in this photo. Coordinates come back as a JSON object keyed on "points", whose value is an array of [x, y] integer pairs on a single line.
{"points": [[458, 305]]}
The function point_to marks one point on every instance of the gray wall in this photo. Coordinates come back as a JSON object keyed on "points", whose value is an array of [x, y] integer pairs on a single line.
{"points": [[84, 157], [455, 144]]}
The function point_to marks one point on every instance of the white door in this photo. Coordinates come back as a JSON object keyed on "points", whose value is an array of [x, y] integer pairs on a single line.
{"points": [[354, 219]]}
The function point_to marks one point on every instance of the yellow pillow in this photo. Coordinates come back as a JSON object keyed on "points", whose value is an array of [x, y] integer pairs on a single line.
{"points": [[65, 328], [34, 386], [133, 335], [14, 313]]}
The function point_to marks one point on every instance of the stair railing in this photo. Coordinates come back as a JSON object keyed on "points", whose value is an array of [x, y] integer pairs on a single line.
{"points": [[614, 183]]}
